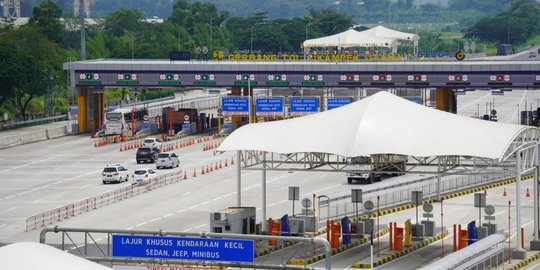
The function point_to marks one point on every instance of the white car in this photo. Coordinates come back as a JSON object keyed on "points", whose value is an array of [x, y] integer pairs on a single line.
{"points": [[114, 173], [169, 160], [152, 142], [142, 175]]}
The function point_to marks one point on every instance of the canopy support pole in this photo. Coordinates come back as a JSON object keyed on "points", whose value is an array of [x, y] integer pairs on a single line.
{"points": [[238, 180], [535, 244], [439, 187], [263, 185], [518, 252]]}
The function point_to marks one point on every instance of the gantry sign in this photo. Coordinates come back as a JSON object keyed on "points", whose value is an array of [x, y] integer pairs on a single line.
{"points": [[165, 73]]}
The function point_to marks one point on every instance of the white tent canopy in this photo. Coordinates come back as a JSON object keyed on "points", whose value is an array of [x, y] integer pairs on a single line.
{"points": [[380, 124], [383, 32], [350, 38], [30, 256]]}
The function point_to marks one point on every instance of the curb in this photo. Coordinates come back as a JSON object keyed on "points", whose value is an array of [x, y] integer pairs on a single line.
{"points": [[525, 262], [401, 253]]}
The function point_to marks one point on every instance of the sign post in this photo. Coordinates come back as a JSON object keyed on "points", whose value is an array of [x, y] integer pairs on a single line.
{"points": [[294, 195], [356, 196], [417, 200]]}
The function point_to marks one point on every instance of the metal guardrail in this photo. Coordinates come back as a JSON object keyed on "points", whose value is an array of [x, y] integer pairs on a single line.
{"points": [[32, 121], [64, 212], [341, 205]]}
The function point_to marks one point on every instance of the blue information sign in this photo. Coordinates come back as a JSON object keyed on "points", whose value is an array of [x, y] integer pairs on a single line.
{"points": [[415, 100], [183, 248], [304, 105], [235, 105], [269, 105], [336, 102]]}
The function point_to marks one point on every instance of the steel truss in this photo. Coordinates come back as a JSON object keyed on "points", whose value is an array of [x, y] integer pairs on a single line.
{"points": [[323, 162]]}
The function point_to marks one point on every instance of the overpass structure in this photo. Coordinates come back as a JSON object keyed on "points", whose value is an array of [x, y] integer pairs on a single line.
{"points": [[88, 76]]}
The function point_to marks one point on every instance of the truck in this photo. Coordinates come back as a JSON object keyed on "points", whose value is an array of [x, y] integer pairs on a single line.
{"points": [[373, 168]]}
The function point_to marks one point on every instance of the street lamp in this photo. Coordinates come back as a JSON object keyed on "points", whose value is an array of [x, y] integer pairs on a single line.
{"points": [[307, 28], [251, 40]]}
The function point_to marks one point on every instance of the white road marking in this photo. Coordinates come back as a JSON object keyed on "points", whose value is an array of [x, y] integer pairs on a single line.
{"points": [[227, 195], [207, 186], [155, 219], [194, 206], [187, 230], [2, 225], [180, 211], [216, 198], [12, 208], [141, 224], [9, 197], [200, 226], [168, 215], [63, 192], [186, 193], [129, 228], [205, 203], [282, 201], [22, 193]]}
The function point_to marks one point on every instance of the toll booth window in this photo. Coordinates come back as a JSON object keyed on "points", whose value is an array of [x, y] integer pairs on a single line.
{"points": [[218, 230], [113, 116], [227, 227]]}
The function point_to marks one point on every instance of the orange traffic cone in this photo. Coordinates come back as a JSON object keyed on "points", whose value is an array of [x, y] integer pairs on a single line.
{"points": [[232, 160], [185, 176], [202, 170], [485, 191], [226, 165], [220, 165], [207, 169], [194, 173], [211, 168], [504, 192], [216, 167], [527, 194]]}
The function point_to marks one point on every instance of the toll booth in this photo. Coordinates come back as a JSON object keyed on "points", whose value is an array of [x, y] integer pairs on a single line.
{"points": [[240, 220]]}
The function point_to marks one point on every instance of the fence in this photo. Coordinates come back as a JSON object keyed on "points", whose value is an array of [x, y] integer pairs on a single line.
{"points": [[87, 205], [341, 205]]}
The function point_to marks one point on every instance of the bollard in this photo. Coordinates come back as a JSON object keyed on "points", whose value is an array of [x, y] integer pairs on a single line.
{"points": [[455, 237], [391, 244]]}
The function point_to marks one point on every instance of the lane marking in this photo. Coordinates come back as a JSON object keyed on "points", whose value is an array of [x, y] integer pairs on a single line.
{"points": [[186, 193], [200, 226], [129, 228], [187, 230], [180, 211], [168, 215], [63, 192], [12, 208], [155, 219], [282, 201], [141, 224]]}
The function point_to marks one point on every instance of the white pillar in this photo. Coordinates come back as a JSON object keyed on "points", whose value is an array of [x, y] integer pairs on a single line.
{"points": [[535, 194], [263, 184], [439, 187], [518, 200], [238, 180]]}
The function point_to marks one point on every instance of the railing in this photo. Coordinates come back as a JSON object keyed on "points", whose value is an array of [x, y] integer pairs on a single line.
{"points": [[340, 205], [87, 205], [35, 120]]}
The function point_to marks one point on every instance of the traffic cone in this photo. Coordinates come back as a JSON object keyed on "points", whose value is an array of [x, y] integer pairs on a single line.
{"points": [[232, 160], [95, 143], [121, 148], [207, 169], [226, 165], [185, 176], [222, 167], [527, 194], [504, 192], [211, 168], [485, 191], [194, 173], [216, 167], [202, 170]]}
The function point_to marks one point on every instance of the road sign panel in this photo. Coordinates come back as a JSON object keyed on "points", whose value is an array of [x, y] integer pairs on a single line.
{"points": [[235, 105], [273, 105], [183, 248], [336, 102], [304, 105]]}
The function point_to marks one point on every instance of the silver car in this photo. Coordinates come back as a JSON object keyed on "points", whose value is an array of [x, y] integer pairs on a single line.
{"points": [[169, 160]]}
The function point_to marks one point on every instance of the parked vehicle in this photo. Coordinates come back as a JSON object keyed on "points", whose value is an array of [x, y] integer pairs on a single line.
{"points": [[147, 154], [114, 173], [505, 49], [119, 121], [169, 160]]}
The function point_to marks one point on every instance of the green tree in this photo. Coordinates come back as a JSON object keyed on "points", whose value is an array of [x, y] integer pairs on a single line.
{"points": [[41, 62], [46, 18], [11, 71], [124, 21]]}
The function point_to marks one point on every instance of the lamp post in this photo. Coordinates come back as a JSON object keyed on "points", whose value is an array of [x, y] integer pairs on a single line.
{"points": [[251, 39], [307, 30]]}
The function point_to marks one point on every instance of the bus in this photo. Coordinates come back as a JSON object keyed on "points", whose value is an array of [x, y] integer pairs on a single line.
{"points": [[118, 121]]}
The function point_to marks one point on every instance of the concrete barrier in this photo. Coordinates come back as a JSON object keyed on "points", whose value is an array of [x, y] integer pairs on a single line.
{"points": [[34, 136]]}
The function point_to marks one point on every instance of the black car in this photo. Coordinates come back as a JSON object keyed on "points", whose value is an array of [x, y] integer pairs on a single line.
{"points": [[147, 154]]}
